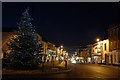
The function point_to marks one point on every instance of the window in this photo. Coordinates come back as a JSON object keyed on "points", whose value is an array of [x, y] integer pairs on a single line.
{"points": [[117, 30], [118, 33], [110, 33], [111, 46], [118, 44], [115, 44], [114, 32], [105, 46]]}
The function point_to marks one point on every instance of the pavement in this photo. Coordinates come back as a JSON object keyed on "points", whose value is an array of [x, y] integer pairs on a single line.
{"points": [[110, 66], [105, 65]]}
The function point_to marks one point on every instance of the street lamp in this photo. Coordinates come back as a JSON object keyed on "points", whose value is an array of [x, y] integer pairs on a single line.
{"points": [[63, 56], [61, 46], [98, 39], [61, 52], [99, 48]]}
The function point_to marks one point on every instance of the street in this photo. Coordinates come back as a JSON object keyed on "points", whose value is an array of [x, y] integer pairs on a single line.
{"points": [[81, 71], [92, 71]]}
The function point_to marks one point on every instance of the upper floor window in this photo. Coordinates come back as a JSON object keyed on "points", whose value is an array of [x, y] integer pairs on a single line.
{"points": [[117, 30], [111, 45], [119, 33], [111, 33], [105, 46], [114, 32]]}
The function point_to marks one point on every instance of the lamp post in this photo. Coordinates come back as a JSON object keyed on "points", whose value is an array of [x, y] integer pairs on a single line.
{"points": [[64, 57], [61, 49], [97, 47]]}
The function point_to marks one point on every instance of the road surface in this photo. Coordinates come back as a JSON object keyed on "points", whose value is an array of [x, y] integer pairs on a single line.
{"points": [[86, 71], [90, 71]]}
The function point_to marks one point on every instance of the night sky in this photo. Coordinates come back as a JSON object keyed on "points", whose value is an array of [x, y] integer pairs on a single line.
{"points": [[69, 24]]}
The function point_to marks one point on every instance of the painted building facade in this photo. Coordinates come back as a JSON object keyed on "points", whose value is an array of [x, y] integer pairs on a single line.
{"points": [[100, 51]]}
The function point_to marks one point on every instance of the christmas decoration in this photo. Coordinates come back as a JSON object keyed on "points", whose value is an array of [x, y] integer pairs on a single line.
{"points": [[24, 46]]}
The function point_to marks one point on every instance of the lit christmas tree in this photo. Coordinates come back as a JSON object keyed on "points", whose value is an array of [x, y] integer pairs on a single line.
{"points": [[24, 47]]}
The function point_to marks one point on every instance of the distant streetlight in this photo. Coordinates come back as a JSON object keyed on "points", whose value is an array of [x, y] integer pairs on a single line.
{"points": [[61, 46], [98, 39], [60, 50]]}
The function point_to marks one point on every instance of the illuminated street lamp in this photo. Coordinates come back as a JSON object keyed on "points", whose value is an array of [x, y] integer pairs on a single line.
{"points": [[99, 48], [61, 52], [98, 39], [61, 46]]}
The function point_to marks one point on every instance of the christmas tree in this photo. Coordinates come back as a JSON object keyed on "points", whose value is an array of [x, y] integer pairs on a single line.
{"points": [[24, 46]]}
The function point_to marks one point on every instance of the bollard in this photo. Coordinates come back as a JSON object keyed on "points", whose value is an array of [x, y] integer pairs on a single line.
{"points": [[65, 64], [53, 63], [42, 67]]}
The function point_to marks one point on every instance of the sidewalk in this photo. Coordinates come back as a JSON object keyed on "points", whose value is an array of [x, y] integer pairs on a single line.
{"points": [[111, 66], [49, 68]]}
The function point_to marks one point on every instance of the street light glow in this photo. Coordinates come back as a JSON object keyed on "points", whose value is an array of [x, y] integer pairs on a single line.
{"points": [[98, 39], [61, 46]]}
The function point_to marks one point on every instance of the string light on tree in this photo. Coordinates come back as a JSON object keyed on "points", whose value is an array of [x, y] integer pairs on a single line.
{"points": [[25, 46]]}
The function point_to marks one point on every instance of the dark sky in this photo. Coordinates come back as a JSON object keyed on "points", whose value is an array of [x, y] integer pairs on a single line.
{"points": [[70, 24]]}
